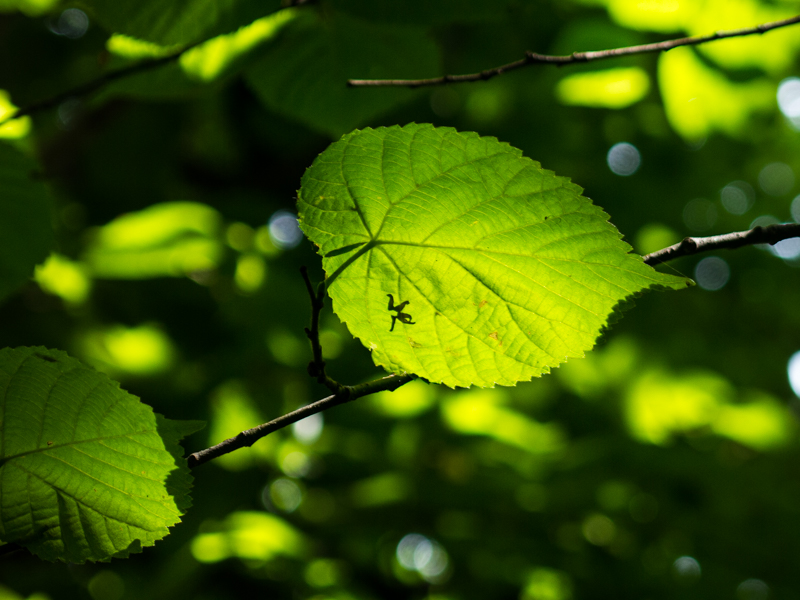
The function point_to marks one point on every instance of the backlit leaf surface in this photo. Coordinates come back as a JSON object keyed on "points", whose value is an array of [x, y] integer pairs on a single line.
{"points": [[506, 268], [87, 472]]}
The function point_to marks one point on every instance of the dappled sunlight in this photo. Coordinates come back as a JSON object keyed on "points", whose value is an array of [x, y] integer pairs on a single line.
{"points": [[543, 583], [157, 225], [251, 272], [762, 423], [16, 128], [387, 488], [213, 58], [660, 405], [232, 410], [144, 350], [411, 400], [132, 48], [481, 412], [64, 278], [169, 239], [699, 100], [601, 369], [655, 15], [611, 88], [248, 535]]}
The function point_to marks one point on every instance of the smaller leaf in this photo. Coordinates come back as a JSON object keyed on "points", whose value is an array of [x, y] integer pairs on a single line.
{"points": [[87, 471]]}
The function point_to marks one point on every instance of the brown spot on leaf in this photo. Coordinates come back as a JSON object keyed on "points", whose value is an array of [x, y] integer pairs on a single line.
{"points": [[483, 303], [493, 335], [413, 343]]}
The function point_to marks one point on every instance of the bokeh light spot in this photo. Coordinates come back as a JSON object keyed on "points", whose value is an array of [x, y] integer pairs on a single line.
{"points": [[250, 273], [789, 99], [546, 584], [72, 24], [712, 273], [752, 589], [283, 230], [737, 197], [623, 159], [795, 208], [106, 585], [788, 249], [599, 530], [776, 179], [794, 372], [686, 567], [285, 494], [416, 552], [308, 430], [699, 214]]}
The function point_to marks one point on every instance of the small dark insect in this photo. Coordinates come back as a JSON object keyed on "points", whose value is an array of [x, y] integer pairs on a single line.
{"points": [[403, 317], [45, 357]]}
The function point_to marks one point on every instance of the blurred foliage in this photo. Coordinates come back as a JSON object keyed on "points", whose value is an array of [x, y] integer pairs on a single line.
{"points": [[663, 465]]}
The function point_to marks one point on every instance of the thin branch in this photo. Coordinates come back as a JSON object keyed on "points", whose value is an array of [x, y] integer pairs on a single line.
{"points": [[532, 58], [250, 436], [316, 368], [771, 234], [94, 85]]}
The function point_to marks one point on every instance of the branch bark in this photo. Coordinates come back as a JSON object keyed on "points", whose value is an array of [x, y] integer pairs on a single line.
{"points": [[250, 436], [771, 234], [532, 58]]}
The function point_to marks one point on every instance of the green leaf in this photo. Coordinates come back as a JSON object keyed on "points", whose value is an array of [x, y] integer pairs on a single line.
{"points": [[305, 75], [26, 233], [506, 268], [87, 472], [213, 63], [176, 21]]}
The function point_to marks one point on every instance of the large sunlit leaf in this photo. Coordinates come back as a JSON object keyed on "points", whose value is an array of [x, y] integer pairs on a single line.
{"points": [[176, 21], [87, 472], [502, 269], [305, 75], [26, 233]]}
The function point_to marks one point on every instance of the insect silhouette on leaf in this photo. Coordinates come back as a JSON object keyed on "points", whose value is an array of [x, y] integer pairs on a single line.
{"points": [[401, 316]]}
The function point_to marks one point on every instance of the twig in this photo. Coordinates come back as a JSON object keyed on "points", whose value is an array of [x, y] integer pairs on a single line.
{"points": [[532, 58], [250, 436], [771, 234], [91, 86], [316, 368]]}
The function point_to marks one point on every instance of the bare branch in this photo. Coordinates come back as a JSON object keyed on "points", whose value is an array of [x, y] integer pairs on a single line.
{"points": [[532, 58], [96, 84], [250, 436], [771, 234], [316, 368]]}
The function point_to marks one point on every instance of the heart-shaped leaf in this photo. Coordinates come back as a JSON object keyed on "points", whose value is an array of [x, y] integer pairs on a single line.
{"points": [[454, 257], [87, 472]]}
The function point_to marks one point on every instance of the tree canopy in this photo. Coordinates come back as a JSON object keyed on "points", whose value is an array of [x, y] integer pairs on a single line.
{"points": [[610, 442]]}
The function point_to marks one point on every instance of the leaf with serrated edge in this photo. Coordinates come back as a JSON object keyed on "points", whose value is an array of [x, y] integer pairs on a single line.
{"points": [[507, 270], [87, 471]]}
